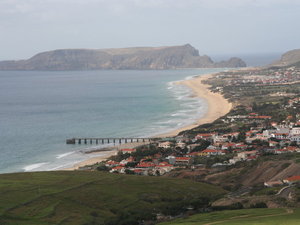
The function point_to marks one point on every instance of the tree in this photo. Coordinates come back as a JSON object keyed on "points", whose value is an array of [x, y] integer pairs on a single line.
{"points": [[241, 136]]}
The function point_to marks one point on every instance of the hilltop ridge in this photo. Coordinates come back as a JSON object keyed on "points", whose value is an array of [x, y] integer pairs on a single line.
{"points": [[169, 57]]}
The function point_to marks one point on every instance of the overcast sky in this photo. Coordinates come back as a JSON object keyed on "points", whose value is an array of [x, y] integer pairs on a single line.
{"points": [[212, 26]]}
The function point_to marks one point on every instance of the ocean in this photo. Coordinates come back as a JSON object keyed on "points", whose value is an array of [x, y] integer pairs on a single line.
{"points": [[40, 110]]}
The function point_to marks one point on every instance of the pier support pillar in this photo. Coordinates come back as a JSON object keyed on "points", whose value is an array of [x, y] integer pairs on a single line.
{"points": [[85, 141], [71, 141]]}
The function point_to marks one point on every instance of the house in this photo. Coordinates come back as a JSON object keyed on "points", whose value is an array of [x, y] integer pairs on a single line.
{"points": [[220, 139], [192, 146], [111, 163], [183, 160], [125, 161], [241, 146], [145, 165], [166, 144], [140, 171], [280, 136], [292, 148], [246, 154], [206, 136], [291, 180], [273, 183], [295, 131], [227, 146], [210, 152], [295, 138], [181, 145], [127, 150], [164, 167], [273, 143], [193, 154], [171, 159], [234, 160], [119, 169], [280, 151]]}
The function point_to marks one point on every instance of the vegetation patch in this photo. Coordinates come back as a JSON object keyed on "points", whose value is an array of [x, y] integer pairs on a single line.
{"points": [[79, 197]]}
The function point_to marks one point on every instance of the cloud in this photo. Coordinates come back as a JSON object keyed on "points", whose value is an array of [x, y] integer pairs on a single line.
{"points": [[31, 6]]}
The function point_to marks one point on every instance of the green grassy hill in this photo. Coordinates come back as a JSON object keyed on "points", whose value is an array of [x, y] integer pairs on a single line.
{"points": [[80, 197], [244, 217]]}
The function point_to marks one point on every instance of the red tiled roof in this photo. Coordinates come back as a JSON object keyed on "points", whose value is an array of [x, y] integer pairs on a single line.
{"points": [[293, 178], [164, 165], [146, 164], [182, 158], [252, 157], [112, 163], [118, 167], [209, 150]]}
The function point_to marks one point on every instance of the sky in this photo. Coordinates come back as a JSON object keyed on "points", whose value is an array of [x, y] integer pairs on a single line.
{"points": [[214, 27]]}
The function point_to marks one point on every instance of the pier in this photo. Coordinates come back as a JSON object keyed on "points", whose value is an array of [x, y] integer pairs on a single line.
{"points": [[97, 141]]}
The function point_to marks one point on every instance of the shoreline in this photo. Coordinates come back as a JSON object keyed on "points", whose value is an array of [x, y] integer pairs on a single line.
{"points": [[217, 106], [107, 153]]}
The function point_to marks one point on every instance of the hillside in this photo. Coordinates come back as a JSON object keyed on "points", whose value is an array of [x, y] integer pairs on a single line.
{"points": [[96, 198], [289, 58], [172, 57], [246, 174], [244, 216]]}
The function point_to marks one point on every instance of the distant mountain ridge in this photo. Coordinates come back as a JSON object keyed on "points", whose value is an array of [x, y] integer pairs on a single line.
{"points": [[290, 58], [173, 57]]}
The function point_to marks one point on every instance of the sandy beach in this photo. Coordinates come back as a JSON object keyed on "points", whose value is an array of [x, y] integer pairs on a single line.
{"points": [[217, 104], [217, 107]]}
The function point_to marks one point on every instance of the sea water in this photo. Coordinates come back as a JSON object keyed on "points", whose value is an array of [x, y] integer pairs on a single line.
{"points": [[40, 110]]}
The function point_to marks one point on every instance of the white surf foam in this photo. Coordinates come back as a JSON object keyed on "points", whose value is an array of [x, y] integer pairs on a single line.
{"points": [[33, 166], [64, 155]]}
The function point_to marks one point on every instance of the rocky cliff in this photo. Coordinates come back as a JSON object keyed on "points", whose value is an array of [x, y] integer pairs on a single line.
{"points": [[173, 57]]}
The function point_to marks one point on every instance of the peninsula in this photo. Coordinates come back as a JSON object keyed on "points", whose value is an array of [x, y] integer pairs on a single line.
{"points": [[144, 58]]}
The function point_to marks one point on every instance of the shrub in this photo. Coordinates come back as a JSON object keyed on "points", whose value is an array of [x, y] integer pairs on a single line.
{"points": [[259, 205]]}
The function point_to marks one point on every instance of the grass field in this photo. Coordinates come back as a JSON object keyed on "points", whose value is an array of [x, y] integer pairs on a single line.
{"points": [[243, 217], [81, 197]]}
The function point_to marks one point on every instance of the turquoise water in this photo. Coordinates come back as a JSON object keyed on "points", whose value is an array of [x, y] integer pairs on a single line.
{"points": [[40, 110]]}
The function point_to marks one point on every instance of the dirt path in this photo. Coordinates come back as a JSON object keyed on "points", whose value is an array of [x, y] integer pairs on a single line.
{"points": [[288, 211]]}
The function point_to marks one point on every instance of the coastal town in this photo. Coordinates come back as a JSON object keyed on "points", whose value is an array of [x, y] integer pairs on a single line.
{"points": [[249, 132]]}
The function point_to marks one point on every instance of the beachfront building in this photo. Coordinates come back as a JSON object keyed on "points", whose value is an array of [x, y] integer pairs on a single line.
{"points": [[166, 144]]}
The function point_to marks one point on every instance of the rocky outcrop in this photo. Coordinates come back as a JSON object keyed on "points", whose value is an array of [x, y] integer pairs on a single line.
{"points": [[232, 62], [173, 57], [288, 59]]}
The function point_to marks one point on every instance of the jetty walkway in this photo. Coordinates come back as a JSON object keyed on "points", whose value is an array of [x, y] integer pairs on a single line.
{"points": [[108, 140]]}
